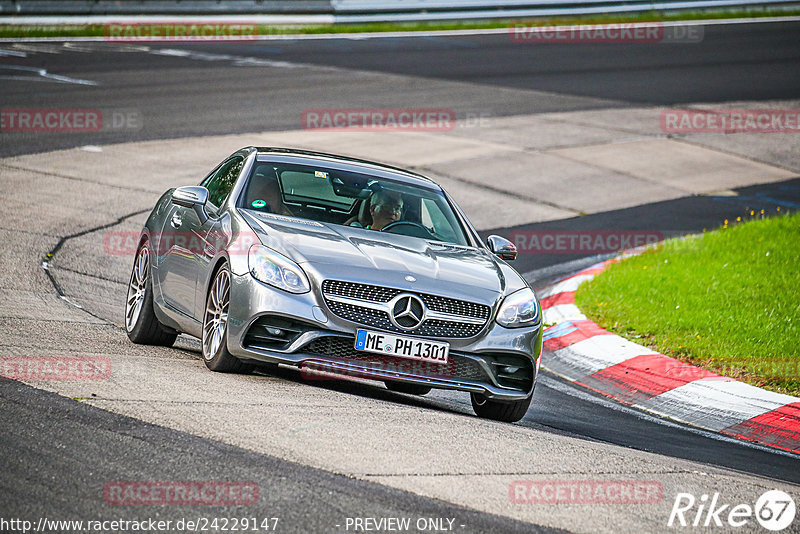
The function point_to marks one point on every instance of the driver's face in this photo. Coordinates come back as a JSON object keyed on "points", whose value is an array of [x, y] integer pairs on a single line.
{"points": [[386, 213], [392, 210]]}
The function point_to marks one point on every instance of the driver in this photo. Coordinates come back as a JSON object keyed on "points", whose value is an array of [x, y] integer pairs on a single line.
{"points": [[385, 207]]}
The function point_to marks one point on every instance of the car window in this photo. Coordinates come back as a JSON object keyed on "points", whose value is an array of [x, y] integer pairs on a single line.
{"points": [[311, 185], [346, 197], [220, 183], [433, 217]]}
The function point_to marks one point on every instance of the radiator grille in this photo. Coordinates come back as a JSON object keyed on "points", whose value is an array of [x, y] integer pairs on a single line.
{"points": [[380, 319]]}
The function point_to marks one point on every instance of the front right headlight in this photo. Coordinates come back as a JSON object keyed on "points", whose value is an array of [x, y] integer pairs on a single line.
{"points": [[277, 270], [519, 309]]}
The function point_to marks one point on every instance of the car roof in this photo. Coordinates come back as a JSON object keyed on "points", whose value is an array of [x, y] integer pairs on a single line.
{"points": [[349, 163]]}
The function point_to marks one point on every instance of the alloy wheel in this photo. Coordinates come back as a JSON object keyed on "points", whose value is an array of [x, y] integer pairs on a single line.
{"points": [[137, 287], [216, 316]]}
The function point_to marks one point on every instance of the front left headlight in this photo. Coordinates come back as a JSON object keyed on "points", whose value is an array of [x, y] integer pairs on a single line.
{"points": [[519, 309], [277, 270]]}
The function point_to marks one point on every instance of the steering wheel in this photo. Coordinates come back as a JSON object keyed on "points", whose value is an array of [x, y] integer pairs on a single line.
{"points": [[409, 228]]}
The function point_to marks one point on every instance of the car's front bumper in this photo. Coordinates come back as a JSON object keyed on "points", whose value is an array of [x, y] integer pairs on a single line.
{"points": [[476, 364]]}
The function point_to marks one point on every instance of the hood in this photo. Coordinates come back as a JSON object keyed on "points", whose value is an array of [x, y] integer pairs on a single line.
{"points": [[331, 251]]}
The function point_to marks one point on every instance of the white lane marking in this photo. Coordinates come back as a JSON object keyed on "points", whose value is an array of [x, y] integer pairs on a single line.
{"points": [[104, 47], [41, 75], [22, 50], [39, 48], [239, 61], [581, 394], [12, 53]]}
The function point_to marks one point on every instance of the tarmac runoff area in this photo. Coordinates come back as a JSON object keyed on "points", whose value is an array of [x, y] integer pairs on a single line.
{"points": [[505, 172]]}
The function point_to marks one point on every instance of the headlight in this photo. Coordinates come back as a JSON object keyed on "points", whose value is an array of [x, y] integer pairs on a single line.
{"points": [[519, 309], [277, 270]]}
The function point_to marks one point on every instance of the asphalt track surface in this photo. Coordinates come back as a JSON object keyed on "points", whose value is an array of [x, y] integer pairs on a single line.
{"points": [[759, 62], [59, 436], [215, 95]]}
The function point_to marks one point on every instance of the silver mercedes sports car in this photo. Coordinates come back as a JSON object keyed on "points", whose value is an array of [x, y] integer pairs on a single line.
{"points": [[341, 267]]}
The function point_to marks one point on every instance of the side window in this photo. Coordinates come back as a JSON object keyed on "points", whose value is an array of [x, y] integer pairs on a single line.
{"points": [[220, 183], [432, 217]]}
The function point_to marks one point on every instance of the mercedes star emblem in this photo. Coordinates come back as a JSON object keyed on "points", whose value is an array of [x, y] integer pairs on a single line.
{"points": [[408, 311]]}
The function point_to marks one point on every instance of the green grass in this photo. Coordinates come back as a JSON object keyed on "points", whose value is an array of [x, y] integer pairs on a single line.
{"points": [[726, 300], [97, 30]]}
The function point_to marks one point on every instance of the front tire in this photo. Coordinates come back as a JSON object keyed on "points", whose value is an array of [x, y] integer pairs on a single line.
{"points": [[508, 412], [215, 327], [141, 323]]}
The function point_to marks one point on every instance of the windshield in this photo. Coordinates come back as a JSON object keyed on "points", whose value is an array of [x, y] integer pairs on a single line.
{"points": [[352, 199]]}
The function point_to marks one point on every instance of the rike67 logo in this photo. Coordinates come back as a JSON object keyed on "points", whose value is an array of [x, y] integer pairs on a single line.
{"points": [[774, 510]]}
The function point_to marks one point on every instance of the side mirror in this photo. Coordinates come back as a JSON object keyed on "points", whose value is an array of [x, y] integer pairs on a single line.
{"points": [[192, 196], [502, 247]]}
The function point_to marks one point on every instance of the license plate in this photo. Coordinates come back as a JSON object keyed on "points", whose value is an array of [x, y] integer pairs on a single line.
{"points": [[402, 346]]}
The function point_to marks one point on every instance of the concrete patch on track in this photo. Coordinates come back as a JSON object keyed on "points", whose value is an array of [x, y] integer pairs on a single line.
{"points": [[358, 430], [679, 165]]}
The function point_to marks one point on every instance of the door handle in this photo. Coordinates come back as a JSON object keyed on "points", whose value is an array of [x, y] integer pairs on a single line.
{"points": [[177, 220]]}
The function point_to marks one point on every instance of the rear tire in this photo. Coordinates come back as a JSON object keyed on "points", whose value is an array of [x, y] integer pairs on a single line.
{"points": [[141, 323], [411, 389], [508, 412], [215, 327]]}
